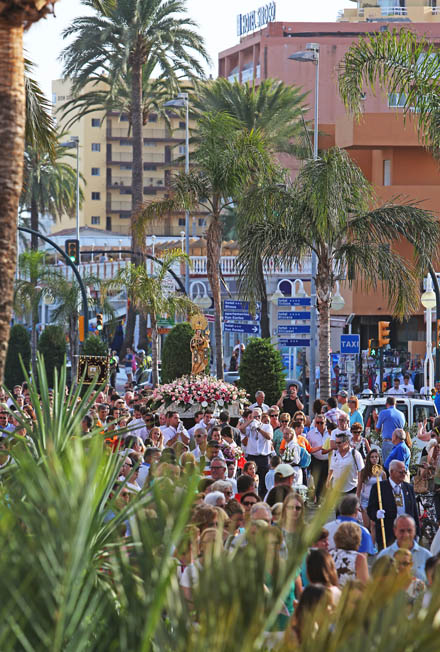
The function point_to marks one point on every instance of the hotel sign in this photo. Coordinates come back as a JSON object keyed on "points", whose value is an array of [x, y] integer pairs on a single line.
{"points": [[256, 19]]}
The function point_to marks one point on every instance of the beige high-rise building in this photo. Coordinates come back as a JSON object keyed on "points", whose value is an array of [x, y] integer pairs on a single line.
{"points": [[106, 154], [411, 11]]}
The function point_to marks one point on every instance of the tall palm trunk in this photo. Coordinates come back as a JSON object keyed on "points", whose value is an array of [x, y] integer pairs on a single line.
{"points": [[143, 337], [262, 295], [214, 246], [34, 318], [12, 121], [73, 346], [136, 181], [34, 223], [154, 349], [323, 295]]}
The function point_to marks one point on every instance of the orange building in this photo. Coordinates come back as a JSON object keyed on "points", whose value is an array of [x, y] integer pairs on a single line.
{"points": [[387, 150]]}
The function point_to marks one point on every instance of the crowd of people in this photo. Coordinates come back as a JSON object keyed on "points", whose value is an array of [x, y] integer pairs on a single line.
{"points": [[266, 476]]}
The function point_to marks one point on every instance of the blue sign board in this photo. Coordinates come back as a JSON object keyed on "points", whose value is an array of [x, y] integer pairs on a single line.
{"points": [[295, 301], [282, 315], [290, 328], [295, 342], [240, 328], [241, 316], [243, 306], [350, 344]]}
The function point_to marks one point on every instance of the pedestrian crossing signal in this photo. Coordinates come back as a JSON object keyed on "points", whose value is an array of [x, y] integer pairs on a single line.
{"points": [[99, 322], [72, 250]]}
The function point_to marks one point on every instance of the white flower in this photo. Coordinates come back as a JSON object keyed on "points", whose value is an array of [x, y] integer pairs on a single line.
{"points": [[221, 402], [204, 404]]}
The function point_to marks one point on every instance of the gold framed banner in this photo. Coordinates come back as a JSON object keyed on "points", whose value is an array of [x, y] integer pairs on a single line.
{"points": [[93, 366]]}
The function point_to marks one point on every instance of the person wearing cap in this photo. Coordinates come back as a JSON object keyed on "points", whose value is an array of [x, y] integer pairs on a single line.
{"points": [[400, 451], [343, 401]]}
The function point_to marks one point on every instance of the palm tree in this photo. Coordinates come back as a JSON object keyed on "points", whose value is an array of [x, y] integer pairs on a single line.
{"points": [[225, 159], [152, 298], [15, 16], [128, 37], [328, 209], [30, 289], [396, 62], [49, 185], [40, 126], [274, 109]]}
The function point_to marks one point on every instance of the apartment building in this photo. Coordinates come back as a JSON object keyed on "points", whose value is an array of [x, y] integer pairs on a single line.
{"points": [[415, 11], [105, 161], [385, 146]]}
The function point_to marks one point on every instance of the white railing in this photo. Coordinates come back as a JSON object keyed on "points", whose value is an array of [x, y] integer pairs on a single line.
{"points": [[394, 11], [247, 74], [435, 11], [107, 269], [258, 71], [233, 77], [228, 266]]}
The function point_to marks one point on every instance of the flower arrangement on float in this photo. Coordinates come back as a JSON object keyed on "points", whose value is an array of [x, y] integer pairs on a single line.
{"points": [[197, 392]]}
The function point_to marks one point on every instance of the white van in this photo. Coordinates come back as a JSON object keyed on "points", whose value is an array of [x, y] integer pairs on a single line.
{"points": [[413, 409]]}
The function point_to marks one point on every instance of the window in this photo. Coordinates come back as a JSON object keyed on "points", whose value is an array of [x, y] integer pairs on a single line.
{"points": [[150, 166], [396, 100], [149, 191], [96, 196], [123, 117], [182, 149], [181, 221], [387, 172], [96, 172], [148, 143], [96, 122], [202, 221], [152, 117], [125, 191], [125, 166], [182, 125], [96, 147], [125, 142], [96, 219]]}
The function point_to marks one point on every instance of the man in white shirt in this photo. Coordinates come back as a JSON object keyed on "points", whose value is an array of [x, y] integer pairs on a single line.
{"points": [[342, 429], [174, 430], [346, 462], [256, 437], [198, 416], [395, 390], [259, 402], [316, 437]]}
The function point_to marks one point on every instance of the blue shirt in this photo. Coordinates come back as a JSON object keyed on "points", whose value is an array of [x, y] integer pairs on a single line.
{"points": [[400, 452], [419, 555], [356, 417], [437, 402], [366, 540], [389, 420]]}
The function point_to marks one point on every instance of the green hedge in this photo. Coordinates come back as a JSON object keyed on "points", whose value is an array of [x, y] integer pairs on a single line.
{"points": [[52, 346], [19, 345], [261, 368], [176, 354], [94, 345]]}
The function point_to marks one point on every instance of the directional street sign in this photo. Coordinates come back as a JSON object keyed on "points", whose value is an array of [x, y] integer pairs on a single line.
{"points": [[241, 316], [350, 344], [295, 342], [295, 301], [229, 305], [290, 328], [283, 315], [240, 328]]}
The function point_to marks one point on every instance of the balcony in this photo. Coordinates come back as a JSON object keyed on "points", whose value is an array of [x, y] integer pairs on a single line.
{"points": [[228, 265], [147, 133], [117, 206], [394, 11]]}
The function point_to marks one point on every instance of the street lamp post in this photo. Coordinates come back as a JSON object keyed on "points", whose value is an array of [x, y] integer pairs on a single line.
{"points": [[311, 54], [429, 302], [183, 101]]}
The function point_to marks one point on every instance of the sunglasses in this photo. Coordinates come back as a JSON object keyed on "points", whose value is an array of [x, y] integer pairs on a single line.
{"points": [[284, 420], [356, 431], [247, 503], [319, 423]]}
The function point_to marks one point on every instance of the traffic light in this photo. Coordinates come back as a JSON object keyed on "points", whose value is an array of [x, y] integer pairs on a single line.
{"points": [[383, 329], [372, 348], [99, 322], [72, 250]]}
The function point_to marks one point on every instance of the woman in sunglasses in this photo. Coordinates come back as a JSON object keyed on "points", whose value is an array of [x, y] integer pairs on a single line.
{"points": [[358, 442]]}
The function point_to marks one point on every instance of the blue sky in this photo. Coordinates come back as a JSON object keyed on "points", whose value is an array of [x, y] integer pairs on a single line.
{"points": [[217, 21]]}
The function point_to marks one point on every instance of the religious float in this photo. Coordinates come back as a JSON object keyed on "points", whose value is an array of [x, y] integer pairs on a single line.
{"points": [[198, 391]]}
